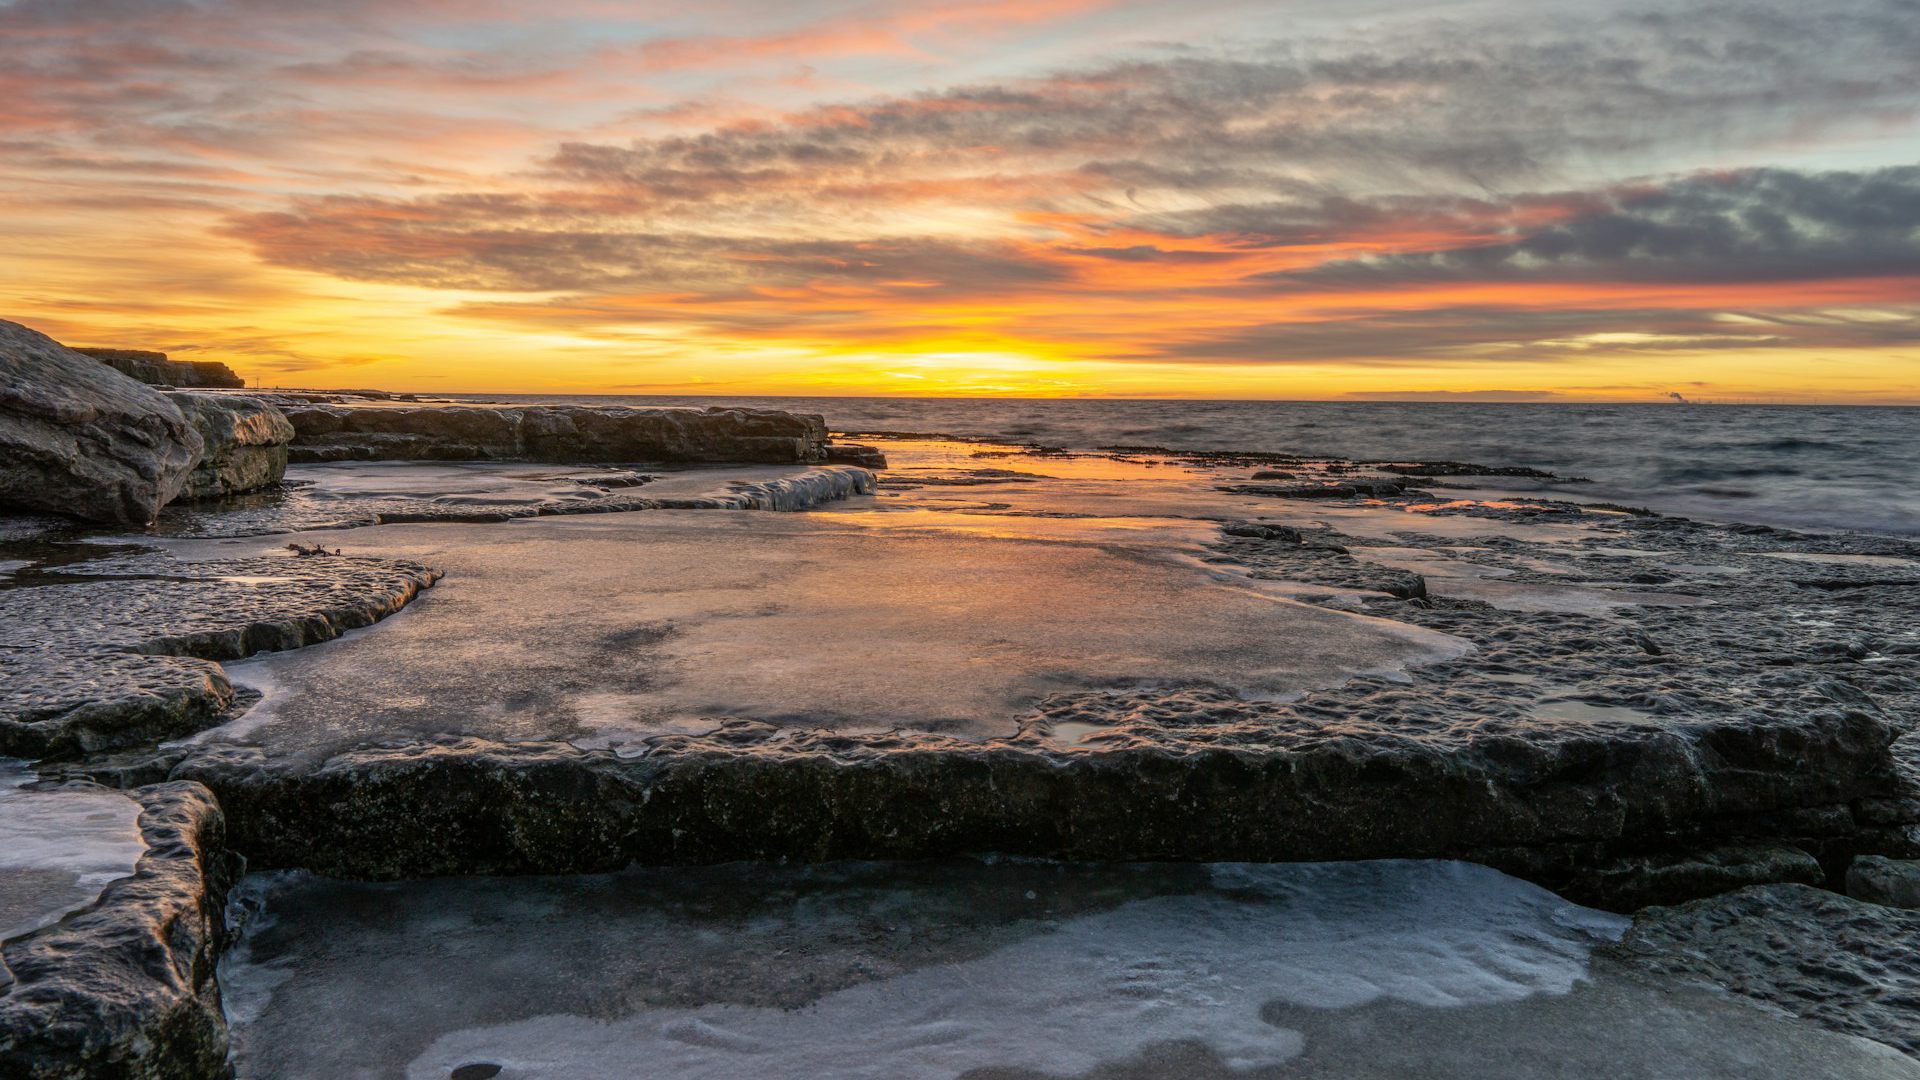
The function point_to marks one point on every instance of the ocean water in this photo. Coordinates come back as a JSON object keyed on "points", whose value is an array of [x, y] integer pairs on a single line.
{"points": [[1812, 467]]}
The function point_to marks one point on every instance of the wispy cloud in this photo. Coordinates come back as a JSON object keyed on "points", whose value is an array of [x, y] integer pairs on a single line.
{"points": [[1519, 183]]}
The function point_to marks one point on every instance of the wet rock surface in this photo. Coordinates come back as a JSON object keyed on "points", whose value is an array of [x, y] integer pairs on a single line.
{"points": [[1629, 709], [78, 438], [1847, 965], [1553, 813], [121, 650], [350, 495], [556, 433], [1649, 710], [126, 987]]}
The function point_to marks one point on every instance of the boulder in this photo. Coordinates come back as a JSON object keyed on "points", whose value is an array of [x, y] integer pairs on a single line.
{"points": [[245, 443], [154, 369], [79, 438], [1877, 879]]}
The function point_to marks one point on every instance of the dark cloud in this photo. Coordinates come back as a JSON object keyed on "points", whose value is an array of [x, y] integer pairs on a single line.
{"points": [[1501, 333], [1461, 106], [1756, 225]]}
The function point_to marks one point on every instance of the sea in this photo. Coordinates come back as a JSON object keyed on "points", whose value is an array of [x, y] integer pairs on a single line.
{"points": [[1797, 466]]}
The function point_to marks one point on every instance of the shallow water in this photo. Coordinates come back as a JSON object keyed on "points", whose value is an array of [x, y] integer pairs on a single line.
{"points": [[1806, 466]]}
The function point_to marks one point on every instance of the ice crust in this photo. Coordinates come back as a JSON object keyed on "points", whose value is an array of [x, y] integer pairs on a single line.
{"points": [[59, 846], [1195, 963]]}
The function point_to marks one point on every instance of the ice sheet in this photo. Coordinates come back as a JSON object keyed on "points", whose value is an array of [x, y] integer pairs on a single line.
{"points": [[59, 847], [902, 971]]}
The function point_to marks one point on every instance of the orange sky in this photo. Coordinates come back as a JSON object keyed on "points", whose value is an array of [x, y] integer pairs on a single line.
{"points": [[1068, 198]]}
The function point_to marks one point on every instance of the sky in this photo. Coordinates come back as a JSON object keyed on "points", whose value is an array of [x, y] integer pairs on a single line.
{"points": [[1483, 200]]}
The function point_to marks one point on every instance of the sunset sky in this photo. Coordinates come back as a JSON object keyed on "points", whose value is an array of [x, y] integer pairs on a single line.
{"points": [[1519, 199]]}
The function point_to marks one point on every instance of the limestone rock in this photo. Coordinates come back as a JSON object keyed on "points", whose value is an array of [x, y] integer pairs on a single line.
{"points": [[79, 438], [245, 443], [866, 457], [557, 433], [1880, 880], [1549, 812], [126, 988], [1843, 964], [129, 658], [154, 369], [1638, 881]]}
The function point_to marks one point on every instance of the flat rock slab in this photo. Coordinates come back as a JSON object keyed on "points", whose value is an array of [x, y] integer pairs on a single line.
{"points": [[341, 496], [1850, 966], [998, 970], [1081, 668], [122, 650], [558, 433]]}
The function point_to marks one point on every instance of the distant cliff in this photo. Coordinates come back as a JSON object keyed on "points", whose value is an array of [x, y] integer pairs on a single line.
{"points": [[155, 369]]}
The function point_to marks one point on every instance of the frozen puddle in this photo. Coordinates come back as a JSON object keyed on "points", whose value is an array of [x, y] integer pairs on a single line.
{"points": [[59, 847], [1005, 970]]}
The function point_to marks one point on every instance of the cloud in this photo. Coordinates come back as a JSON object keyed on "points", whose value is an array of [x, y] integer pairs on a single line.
{"points": [[1471, 107], [1507, 183], [520, 244], [1745, 226], [1496, 333]]}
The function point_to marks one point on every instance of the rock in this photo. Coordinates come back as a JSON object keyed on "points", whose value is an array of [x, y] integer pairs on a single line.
{"points": [[1464, 468], [244, 444], [1255, 530], [1347, 488], [126, 988], [1547, 810], [855, 454], [1275, 474], [154, 369], [1846, 965], [78, 438], [815, 487], [1638, 881], [129, 659], [1880, 880], [556, 433]]}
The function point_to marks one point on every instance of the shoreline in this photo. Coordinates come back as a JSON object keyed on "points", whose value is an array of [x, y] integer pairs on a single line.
{"points": [[1540, 749]]}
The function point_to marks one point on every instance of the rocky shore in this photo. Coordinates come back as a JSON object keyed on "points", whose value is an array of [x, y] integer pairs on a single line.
{"points": [[1708, 725], [85, 435]]}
